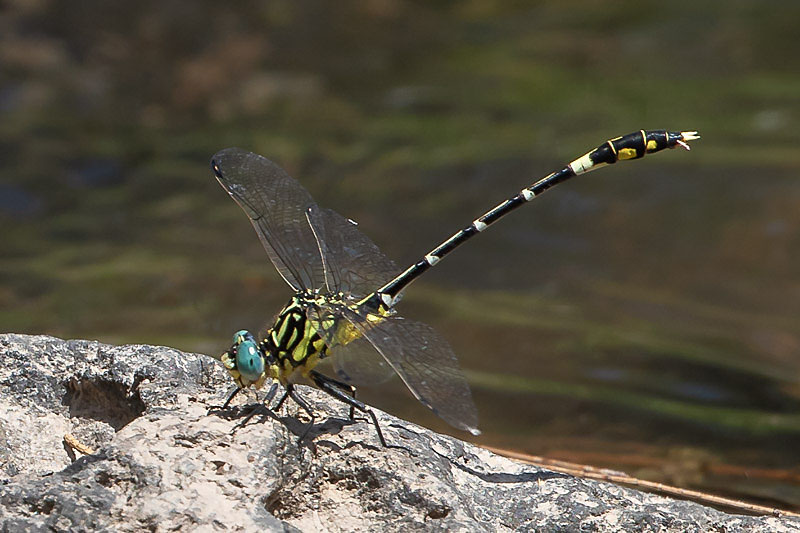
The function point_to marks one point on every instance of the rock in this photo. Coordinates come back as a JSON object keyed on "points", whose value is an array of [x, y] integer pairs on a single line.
{"points": [[163, 462]]}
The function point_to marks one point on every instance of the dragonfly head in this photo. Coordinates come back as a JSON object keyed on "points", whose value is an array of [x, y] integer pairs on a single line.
{"points": [[245, 361]]}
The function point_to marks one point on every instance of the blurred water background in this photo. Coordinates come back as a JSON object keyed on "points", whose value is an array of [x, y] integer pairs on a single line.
{"points": [[645, 317]]}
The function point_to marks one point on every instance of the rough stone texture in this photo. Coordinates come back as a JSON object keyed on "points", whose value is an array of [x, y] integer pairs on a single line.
{"points": [[164, 463]]}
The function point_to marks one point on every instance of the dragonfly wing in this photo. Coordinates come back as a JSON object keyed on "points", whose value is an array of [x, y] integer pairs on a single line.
{"points": [[425, 362], [276, 205], [353, 263], [351, 358]]}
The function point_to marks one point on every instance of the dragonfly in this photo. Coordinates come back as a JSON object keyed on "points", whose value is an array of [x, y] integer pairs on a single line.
{"points": [[340, 329]]}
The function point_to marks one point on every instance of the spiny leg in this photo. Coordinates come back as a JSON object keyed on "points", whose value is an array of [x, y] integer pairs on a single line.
{"points": [[344, 387], [283, 398], [225, 405], [334, 389], [258, 406], [270, 393], [233, 393], [290, 392], [298, 400]]}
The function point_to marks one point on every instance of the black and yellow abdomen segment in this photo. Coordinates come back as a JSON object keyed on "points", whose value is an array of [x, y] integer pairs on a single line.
{"points": [[632, 146]]}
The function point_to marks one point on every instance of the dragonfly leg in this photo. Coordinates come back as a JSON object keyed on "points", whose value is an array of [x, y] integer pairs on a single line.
{"points": [[271, 393], [224, 406], [335, 388], [233, 393], [291, 392], [259, 406], [300, 401], [283, 399], [344, 387]]}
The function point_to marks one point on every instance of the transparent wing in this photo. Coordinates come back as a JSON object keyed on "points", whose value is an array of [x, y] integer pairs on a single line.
{"points": [[425, 362], [276, 205], [353, 263], [351, 358]]}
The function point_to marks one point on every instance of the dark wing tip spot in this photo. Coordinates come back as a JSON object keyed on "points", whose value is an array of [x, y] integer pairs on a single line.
{"points": [[218, 160], [216, 169]]}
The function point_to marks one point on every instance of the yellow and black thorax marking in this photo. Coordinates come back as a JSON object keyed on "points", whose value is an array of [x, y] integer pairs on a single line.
{"points": [[295, 342]]}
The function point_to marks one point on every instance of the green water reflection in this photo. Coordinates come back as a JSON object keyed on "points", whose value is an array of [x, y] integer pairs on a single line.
{"points": [[650, 310]]}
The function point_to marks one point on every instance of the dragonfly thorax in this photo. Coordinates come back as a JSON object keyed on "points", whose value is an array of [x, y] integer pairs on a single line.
{"points": [[290, 349]]}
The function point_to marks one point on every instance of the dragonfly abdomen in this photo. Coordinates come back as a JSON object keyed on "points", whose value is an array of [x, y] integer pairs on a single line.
{"points": [[631, 146]]}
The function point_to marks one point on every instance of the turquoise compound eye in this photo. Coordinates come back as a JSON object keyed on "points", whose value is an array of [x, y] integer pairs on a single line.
{"points": [[241, 336], [249, 362]]}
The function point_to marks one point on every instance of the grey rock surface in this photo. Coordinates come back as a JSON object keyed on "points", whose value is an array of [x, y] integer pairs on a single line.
{"points": [[164, 463]]}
